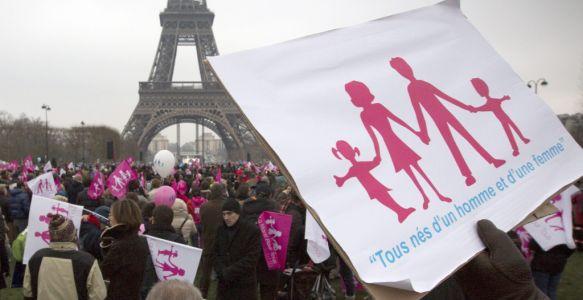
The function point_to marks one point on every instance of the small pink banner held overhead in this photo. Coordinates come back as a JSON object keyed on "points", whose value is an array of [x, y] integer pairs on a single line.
{"points": [[97, 187], [119, 179], [275, 230]]}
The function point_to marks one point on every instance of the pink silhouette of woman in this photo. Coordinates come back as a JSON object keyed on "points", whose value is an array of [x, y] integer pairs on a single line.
{"points": [[361, 171], [424, 95], [375, 116], [494, 105]]}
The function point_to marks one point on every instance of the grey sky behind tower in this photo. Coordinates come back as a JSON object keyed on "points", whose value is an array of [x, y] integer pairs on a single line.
{"points": [[85, 57]]}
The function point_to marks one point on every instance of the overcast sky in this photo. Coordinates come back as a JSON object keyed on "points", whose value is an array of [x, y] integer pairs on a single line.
{"points": [[85, 57]]}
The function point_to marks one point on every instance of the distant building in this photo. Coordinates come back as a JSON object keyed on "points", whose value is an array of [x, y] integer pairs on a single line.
{"points": [[159, 142]]}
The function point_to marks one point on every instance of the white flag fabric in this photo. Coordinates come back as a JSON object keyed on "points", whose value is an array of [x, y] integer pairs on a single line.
{"points": [[557, 228], [48, 167], [411, 128], [317, 242], [173, 260], [43, 185], [71, 166], [38, 236]]}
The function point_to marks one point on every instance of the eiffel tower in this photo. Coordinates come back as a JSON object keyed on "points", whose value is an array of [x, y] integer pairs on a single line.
{"points": [[164, 102]]}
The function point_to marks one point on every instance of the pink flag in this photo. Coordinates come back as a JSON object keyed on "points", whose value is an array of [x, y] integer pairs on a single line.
{"points": [[96, 188], [275, 228], [142, 180], [28, 164], [119, 179], [13, 165], [23, 175], [219, 175], [130, 160]]}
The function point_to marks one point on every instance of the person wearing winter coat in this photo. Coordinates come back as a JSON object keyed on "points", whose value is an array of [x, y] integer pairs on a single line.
{"points": [[236, 252], [547, 267], [160, 227], [182, 221], [19, 204], [211, 220], [125, 253], [268, 280]]}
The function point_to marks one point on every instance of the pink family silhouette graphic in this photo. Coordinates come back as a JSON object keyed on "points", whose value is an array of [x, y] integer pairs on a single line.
{"points": [[56, 210], [168, 266], [424, 97], [495, 106]]}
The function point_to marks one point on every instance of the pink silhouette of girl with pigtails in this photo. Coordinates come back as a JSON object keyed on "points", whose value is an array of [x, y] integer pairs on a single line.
{"points": [[361, 171], [376, 117], [494, 105]]}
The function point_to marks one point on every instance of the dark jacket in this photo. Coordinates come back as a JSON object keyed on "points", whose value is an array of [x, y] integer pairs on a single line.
{"points": [[210, 218], [250, 212], [236, 252], [89, 236], [19, 204], [124, 262], [552, 261], [165, 232], [252, 209], [73, 189], [5, 206]]}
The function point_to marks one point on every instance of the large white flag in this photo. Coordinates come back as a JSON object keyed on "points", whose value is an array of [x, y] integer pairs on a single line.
{"points": [[43, 185], [317, 246], [557, 228], [173, 260], [38, 236], [402, 133]]}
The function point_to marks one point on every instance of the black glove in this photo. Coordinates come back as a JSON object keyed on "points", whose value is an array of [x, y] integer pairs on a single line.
{"points": [[500, 272]]}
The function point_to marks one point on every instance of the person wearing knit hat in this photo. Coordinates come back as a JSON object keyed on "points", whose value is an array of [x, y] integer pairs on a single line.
{"points": [[43, 278], [236, 252], [62, 230]]}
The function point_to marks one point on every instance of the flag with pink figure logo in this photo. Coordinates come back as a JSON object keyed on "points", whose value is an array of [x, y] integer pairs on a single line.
{"points": [[118, 180], [28, 164], [557, 228], [416, 129], [43, 185], [173, 260], [37, 236], [317, 247], [48, 167], [97, 187], [275, 228], [13, 165]]}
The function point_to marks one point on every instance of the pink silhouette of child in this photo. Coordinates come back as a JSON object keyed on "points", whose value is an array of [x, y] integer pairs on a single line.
{"points": [[424, 95], [361, 171], [375, 116], [494, 105]]}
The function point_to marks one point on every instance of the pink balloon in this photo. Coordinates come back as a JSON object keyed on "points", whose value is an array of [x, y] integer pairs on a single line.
{"points": [[165, 195]]}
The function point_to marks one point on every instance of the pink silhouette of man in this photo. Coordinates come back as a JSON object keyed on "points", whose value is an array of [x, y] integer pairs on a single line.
{"points": [[361, 171], [376, 117], [494, 105], [425, 95]]}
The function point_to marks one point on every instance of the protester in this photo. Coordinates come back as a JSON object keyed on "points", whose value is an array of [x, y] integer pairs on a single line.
{"points": [[547, 267], [125, 253], [19, 207], [48, 267], [268, 279], [4, 264], [182, 222], [236, 253], [160, 227], [211, 220], [17, 255], [174, 290]]}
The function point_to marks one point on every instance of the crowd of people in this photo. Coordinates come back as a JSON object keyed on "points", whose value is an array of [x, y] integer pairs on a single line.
{"points": [[216, 209]]}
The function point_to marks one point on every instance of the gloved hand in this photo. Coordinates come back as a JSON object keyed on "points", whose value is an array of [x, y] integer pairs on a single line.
{"points": [[499, 272]]}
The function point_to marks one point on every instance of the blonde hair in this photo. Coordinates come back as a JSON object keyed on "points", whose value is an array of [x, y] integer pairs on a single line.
{"points": [[174, 290]]}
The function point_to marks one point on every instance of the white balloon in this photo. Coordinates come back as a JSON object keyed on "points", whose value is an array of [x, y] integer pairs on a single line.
{"points": [[163, 163]]}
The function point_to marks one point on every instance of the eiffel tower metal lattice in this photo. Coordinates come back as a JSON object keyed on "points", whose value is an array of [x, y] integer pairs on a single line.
{"points": [[164, 102]]}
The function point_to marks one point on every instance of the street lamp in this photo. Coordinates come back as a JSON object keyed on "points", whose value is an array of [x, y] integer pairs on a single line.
{"points": [[83, 141], [47, 109], [536, 83]]}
